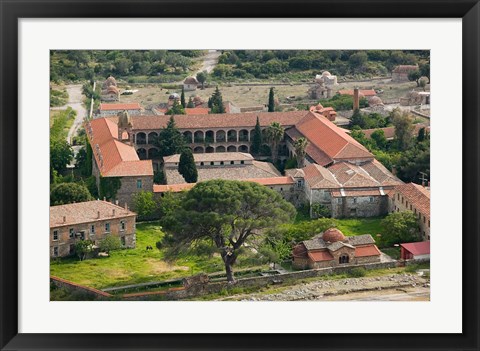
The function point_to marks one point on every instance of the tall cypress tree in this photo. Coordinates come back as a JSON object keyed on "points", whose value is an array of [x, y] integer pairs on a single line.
{"points": [[216, 102], [256, 139], [182, 98], [187, 167], [170, 140], [271, 101]]}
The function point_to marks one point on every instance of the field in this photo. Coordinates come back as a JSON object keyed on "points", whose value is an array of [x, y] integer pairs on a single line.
{"points": [[134, 266], [256, 95]]}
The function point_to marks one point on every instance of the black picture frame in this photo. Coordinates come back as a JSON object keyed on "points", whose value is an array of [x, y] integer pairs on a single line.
{"points": [[11, 11]]}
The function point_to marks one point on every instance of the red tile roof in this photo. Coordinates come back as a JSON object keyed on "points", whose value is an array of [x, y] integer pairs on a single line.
{"points": [[224, 120], [318, 256], [272, 181], [330, 139], [110, 107], [367, 250], [114, 158], [85, 212], [417, 195], [419, 248], [368, 92], [319, 177], [197, 111]]}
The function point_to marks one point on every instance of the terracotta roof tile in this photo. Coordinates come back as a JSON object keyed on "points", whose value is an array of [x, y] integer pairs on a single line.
{"points": [[237, 120], [319, 177], [419, 248], [85, 212], [319, 256], [368, 250], [197, 111], [130, 106], [417, 195], [330, 139], [113, 157]]}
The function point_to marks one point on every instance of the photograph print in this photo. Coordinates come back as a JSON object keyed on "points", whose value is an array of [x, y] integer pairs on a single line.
{"points": [[239, 175]]}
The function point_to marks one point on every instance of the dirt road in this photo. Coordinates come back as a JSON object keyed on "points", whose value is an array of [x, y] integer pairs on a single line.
{"points": [[392, 287], [75, 98], [210, 61]]}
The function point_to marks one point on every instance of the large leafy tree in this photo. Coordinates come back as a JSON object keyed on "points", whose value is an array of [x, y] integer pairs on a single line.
{"points": [[300, 146], [274, 135], [226, 214], [61, 154], [399, 227], [404, 127], [67, 193], [170, 140], [257, 139], [144, 204], [202, 78], [187, 167]]}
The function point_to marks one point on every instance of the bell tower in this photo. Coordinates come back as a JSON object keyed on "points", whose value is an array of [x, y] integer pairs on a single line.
{"points": [[124, 126]]}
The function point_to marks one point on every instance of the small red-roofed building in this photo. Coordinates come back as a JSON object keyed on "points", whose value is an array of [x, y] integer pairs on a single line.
{"points": [[90, 220], [113, 109], [416, 198], [332, 249], [415, 251]]}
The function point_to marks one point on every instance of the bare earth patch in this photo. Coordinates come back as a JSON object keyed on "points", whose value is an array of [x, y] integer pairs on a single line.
{"points": [[157, 266]]}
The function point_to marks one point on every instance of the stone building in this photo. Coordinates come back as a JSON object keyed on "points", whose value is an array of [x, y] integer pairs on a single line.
{"points": [[110, 90], [400, 73], [346, 189], [327, 112], [190, 84], [331, 249], [114, 109], [415, 198], [91, 220], [115, 158]]}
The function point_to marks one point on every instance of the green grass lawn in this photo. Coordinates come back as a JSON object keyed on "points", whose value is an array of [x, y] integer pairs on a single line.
{"points": [[358, 226], [134, 266]]}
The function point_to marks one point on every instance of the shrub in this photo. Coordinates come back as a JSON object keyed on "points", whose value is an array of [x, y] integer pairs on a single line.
{"points": [[357, 272]]}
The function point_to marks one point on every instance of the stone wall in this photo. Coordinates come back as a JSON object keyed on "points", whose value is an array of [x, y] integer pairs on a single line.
{"points": [[73, 287], [129, 188], [360, 206]]}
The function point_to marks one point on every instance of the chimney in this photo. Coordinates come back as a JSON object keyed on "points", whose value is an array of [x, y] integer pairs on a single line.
{"points": [[104, 198], [116, 202], [113, 213], [98, 214], [126, 206], [394, 170], [64, 219], [356, 99]]}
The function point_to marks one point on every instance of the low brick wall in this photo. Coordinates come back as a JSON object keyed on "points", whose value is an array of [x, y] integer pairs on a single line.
{"points": [[71, 286]]}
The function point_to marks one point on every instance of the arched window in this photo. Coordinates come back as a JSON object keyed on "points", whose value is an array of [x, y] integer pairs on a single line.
{"points": [[343, 259]]}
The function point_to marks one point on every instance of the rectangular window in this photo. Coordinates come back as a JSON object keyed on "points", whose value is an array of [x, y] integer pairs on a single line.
{"points": [[71, 249], [122, 225], [212, 163], [354, 200], [232, 162], [123, 240], [55, 251], [242, 162], [371, 199], [71, 233], [107, 227], [402, 199], [221, 162], [428, 223], [398, 196], [415, 209], [139, 183], [55, 235], [406, 204], [339, 200], [423, 219]]}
